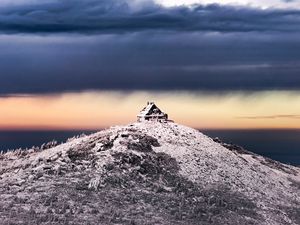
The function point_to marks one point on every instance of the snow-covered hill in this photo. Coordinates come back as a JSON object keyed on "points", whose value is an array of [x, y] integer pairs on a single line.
{"points": [[147, 173]]}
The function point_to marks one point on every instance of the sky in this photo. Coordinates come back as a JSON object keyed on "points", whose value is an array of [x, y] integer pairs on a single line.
{"points": [[90, 64]]}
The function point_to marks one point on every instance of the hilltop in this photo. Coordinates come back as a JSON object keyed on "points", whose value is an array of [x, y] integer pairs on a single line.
{"points": [[147, 173]]}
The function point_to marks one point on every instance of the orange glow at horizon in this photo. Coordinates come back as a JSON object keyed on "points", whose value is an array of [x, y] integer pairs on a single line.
{"points": [[95, 110]]}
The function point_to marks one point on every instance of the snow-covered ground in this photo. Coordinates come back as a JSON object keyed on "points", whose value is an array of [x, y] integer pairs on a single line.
{"points": [[146, 173]]}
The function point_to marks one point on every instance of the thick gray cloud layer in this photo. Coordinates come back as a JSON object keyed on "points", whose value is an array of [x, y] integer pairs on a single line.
{"points": [[118, 16], [185, 61], [45, 47]]}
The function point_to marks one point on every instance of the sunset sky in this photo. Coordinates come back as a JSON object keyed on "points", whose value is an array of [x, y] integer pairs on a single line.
{"points": [[95, 110], [207, 63]]}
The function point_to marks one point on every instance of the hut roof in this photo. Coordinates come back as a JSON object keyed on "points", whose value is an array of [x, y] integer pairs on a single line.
{"points": [[150, 109]]}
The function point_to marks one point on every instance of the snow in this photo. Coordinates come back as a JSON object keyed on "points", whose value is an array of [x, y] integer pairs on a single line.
{"points": [[201, 160]]}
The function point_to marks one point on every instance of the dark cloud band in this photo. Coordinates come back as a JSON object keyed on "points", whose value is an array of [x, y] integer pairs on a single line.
{"points": [[146, 47], [113, 16], [149, 61], [271, 117]]}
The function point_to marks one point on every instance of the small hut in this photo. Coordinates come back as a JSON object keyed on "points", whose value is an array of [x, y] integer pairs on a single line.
{"points": [[152, 113]]}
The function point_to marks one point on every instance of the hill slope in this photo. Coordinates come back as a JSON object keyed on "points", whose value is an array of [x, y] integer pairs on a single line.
{"points": [[147, 173]]}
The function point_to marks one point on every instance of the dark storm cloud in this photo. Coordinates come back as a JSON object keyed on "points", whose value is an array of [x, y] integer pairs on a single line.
{"points": [[44, 47], [115, 16], [149, 61]]}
